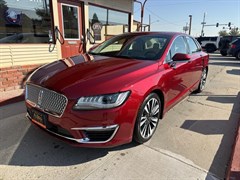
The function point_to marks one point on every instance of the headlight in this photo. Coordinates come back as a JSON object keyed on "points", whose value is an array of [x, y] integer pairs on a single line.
{"points": [[101, 102]]}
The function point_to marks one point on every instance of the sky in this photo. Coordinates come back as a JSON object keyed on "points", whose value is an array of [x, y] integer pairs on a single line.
{"points": [[172, 15]]}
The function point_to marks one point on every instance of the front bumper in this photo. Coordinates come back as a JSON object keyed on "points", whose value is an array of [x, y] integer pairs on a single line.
{"points": [[98, 128], [111, 130]]}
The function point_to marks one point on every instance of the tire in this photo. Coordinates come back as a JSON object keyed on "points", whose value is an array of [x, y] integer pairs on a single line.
{"points": [[223, 53], [147, 118], [203, 80], [238, 55], [210, 48]]}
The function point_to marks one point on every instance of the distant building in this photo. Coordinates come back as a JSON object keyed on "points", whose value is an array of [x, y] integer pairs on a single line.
{"points": [[136, 25]]}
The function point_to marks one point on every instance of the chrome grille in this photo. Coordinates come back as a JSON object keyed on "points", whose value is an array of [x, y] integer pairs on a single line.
{"points": [[49, 101]]}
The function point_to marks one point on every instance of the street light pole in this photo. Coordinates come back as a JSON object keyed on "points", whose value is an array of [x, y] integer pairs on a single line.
{"points": [[149, 28], [142, 11], [203, 24], [190, 24]]}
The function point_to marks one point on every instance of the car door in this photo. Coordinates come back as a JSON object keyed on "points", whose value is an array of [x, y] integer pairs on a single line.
{"points": [[70, 27], [195, 63], [177, 74]]}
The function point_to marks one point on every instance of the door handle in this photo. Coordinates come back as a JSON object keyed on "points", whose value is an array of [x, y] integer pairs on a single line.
{"points": [[57, 31]]}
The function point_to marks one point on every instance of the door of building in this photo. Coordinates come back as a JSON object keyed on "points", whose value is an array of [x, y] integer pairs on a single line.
{"points": [[70, 27]]}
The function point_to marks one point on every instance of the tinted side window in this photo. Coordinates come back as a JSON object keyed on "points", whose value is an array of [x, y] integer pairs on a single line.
{"points": [[205, 39], [192, 45], [25, 21], [198, 45], [213, 38], [178, 46]]}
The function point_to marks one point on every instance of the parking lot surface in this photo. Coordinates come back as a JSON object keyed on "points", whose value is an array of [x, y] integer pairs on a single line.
{"points": [[193, 141]]}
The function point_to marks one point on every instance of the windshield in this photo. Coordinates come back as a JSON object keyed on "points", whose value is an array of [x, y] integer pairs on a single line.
{"points": [[143, 47]]}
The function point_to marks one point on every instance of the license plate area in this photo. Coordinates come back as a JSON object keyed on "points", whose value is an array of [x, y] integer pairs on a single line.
{"points": [[38, 117]]}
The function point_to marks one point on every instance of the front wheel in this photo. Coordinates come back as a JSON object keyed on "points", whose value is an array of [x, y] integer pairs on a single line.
{"points": [[203, 80], [238, 55], [223, 52], [147, 118]]}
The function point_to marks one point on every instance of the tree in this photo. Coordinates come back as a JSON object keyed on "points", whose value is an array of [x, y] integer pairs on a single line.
{"points": [[3, 9], [234, 32], [223, 33], [95, 19]]}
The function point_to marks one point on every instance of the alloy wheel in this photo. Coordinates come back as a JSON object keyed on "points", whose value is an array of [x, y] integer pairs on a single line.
{"points": [[203, 79], [149, 118]]}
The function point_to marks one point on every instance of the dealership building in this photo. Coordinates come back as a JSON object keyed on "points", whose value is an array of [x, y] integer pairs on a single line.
{"points": [[36, 32]]}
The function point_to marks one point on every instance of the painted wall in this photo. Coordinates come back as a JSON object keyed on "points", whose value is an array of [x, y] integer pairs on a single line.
{"points": [[13, 55]]}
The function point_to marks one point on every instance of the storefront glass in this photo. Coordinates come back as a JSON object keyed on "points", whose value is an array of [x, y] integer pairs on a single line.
{"points": [[70, 22], [25, 21], [105, 23]]}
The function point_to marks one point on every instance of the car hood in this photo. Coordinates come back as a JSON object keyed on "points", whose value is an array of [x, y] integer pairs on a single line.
{"points": [[91, 75]]}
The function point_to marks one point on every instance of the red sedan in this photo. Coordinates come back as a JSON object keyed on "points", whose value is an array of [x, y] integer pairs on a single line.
{"points": [[119, 91]]}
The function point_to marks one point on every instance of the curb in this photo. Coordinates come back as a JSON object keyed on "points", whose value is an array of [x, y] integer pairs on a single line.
{"points": [[233, 172], [16, 99]]}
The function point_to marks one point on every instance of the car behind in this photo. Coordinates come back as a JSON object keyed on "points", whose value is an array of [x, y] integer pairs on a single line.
{"points": [[234, 49]]}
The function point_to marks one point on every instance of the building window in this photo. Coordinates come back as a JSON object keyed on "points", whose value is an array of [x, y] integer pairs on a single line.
{"points": [[25, 21], [105, 23], [70, 22]]}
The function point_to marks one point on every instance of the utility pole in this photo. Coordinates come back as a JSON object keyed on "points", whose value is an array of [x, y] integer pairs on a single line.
{"points": [[142, 11], [190, 24], [203, 24], [149, 28]]}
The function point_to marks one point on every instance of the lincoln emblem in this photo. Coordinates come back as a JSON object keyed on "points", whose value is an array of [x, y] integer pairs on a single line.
{"points": [[40, 96]]}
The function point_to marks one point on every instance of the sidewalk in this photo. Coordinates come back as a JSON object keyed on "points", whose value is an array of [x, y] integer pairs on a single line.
{"points": [[234, 165], [11, 97]]}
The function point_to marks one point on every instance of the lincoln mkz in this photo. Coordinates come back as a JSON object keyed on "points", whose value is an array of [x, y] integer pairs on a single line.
{"points": [[119, 91]]}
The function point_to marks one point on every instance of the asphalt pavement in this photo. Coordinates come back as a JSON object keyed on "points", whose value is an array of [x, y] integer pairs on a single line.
{"points": [[193, 141]]}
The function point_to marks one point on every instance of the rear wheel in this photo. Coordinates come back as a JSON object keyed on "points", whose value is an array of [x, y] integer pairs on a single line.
{"points": [[238, 55], [202, 82], [223, 52], [210, 48], [147, 118]]}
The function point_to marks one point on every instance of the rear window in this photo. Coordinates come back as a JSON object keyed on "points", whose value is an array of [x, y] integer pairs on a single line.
{"points": [[213, 38]]}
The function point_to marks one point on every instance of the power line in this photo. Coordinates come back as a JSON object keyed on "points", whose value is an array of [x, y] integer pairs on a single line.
{"points": [[138, 9], [162, 18]]}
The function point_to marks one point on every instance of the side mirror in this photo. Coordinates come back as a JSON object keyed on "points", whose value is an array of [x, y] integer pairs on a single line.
{"points": [[181, 57]]}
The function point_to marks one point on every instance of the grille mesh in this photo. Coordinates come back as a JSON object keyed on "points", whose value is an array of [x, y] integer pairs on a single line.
{"points": [[50, 101]]}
